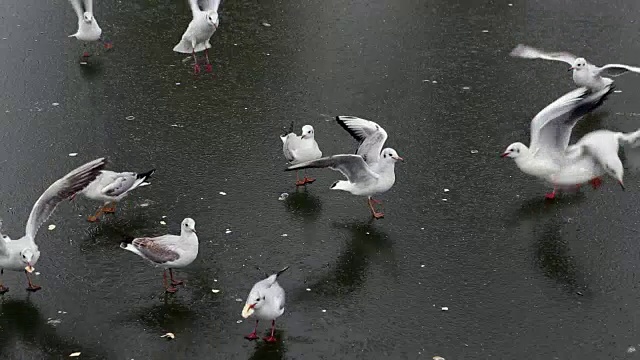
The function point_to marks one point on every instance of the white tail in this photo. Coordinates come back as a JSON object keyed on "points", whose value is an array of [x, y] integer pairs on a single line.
{"points": [[632, 139]]}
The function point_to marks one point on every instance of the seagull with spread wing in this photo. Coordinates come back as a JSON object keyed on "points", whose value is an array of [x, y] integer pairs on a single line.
{"points": [[88, 29], [22, 254]]}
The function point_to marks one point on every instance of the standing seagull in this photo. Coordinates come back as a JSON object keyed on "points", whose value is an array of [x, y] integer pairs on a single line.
{"points": [[369, 171], [548, 156], [298, 149], [88, 29], [584, 73], [201, 28], [111, 187], [23, 254], [168, 251], [265, 302]]}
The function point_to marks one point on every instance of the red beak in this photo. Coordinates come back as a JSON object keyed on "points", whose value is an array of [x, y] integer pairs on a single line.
{"points": [[252, 306], [504, 154]]}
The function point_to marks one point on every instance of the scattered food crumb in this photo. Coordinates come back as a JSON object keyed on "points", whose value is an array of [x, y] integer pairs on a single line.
{"points": [[177, 125], [284, 235], [238, 300], [308, 289], [438, 358], [215, 291], [53, 322], [222, 193], [177, 84], [37, 273], [283, 196], [144, 204], [444, 308], [162, 222], [617, 91], [266, 24], [130, 117], [466, 88], [73, 154], [55, 104], [434, 82], [238, 322], [444, 199], [426, 80], [631, 349], [485, 31], [169, 336], [164, 216], [510, 4], [51, 227], [75, 354], [323, 310], [421, 228], [227, 231], [446, 190], [422, 265], [474, 151]]}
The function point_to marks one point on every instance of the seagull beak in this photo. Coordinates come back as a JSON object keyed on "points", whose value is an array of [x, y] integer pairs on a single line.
{"points": [[194, 231], [303, 136], [504, 154], [571, 68], [29, 268], [248, 310], [621, 185], [398, 158]]}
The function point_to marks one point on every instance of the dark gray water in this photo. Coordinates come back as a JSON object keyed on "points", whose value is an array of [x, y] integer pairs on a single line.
{"points": [[522, 278]]}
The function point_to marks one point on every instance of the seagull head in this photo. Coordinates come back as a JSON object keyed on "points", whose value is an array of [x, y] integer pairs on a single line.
{"points": [[515, 150], [389, 154], [254, 302], [87, 17], [188, 226], [578, 64], [212, 18], [26, 256], [307, 132]]}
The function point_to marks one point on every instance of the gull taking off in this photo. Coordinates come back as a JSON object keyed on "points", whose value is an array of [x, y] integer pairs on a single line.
{"points": [[111, 187], [88, 29], [548, 156], [22, 254], [201, 28], [370, 171], [298, 149], [584, 73], [265, 302], [168, 251]]}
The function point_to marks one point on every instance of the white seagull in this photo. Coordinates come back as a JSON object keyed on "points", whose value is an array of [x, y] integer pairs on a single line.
{"points": [[88, 29], [548, 156], [201, 28], [111, 187], [370, 171], [22, 254], [584, 73], [298, 149], [168, 251], [265, 302]]}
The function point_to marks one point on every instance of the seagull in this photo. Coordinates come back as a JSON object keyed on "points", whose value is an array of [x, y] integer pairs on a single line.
{"points": [[168, 251], [584, 73], [111, 187], [22, 254], [265, 302], [201, 28], [88, 29], [298, 149], [548, 156], [369, 171]]}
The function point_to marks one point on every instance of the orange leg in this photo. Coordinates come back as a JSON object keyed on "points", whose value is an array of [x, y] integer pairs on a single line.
{"points": [[377, 215], [298, 181], [109, 210], [94, 218], [307, 180], [31, 287]]}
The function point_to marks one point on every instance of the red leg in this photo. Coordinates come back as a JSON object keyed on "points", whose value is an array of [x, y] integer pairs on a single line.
{"points": [[31, 287], [196, 67], [551, 195], [95, 217], [307, 180], [377, 202], [298, 181], [3, 289], [109, 210], [169, 289], [208, 68], [253, 335], [173, 281], [377, 215], [271, 338], [596, 182]]}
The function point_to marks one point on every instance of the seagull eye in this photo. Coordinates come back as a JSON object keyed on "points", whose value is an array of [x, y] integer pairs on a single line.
{"points": [[258, 299]]}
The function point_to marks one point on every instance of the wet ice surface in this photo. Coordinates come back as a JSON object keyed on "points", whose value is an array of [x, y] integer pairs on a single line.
{"points": [[518, 276]]}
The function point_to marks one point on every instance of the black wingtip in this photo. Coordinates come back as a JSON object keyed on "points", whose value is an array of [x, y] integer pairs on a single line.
{"points": [[146, 175], [281, 271], [334, 185]]}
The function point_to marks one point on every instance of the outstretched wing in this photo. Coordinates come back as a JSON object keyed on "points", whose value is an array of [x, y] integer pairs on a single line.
{"points": [[352, 167], [370, 135], [528, 52], [77, 6], [63, 188], [615, 70], [88, 6], [193, 4], [208, 5], [551, 128]]}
